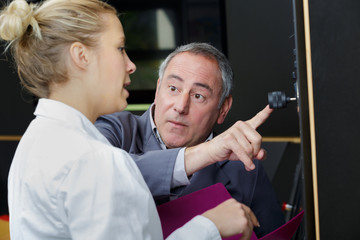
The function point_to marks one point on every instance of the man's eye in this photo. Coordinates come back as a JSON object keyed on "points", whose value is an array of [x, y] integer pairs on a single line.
{"points": [[122, 49], [199, 98]]}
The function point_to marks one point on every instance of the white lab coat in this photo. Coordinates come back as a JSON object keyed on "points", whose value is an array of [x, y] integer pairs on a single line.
{"points": [[67, 182]]}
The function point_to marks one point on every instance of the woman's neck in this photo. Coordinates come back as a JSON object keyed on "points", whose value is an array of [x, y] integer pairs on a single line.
{"points": [[75, 96]]}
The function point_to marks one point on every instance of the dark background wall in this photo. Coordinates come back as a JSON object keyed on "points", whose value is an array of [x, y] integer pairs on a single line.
{"points": [[260, 40], [335, 35]]}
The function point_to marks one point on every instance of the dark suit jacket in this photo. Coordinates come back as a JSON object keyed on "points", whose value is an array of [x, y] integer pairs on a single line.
{"points": [[134, 134]]}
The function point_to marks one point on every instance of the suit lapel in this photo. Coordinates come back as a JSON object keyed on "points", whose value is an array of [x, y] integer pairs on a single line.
{"points": [[206, 177]]}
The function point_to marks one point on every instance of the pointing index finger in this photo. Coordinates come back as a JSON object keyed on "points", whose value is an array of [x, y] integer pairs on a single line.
{"points": [[260, 117]]}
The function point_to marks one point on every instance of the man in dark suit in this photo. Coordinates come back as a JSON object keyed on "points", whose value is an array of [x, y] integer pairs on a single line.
{"points": [[173, 143]]}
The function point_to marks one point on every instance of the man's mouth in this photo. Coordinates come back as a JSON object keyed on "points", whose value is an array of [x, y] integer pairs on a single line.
{"points": [[178, 124]]}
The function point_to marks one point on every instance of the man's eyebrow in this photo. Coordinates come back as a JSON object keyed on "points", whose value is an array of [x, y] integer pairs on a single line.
{"points": [[203, 85], [176, 77]]}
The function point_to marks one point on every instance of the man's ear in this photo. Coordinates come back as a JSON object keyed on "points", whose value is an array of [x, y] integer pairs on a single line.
{"points": [[224, 110], [157, 88], [79, 55]]}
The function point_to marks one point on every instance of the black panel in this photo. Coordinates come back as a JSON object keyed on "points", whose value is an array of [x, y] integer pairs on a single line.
{"points": [[335, 39], [7, 150]]}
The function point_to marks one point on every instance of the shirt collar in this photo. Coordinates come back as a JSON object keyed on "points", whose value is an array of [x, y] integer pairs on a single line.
{"points": [[154, 129], [156, 132], [69, 116]]}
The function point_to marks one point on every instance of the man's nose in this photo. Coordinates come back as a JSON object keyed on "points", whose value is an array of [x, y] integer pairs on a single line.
{"points": [[182, 103]]}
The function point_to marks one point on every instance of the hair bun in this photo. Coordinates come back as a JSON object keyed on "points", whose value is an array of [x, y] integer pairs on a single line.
{"points": [[15, 19]]}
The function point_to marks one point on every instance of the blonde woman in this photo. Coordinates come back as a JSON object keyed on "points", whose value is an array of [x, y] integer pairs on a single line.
{"points": [[66, 181]]}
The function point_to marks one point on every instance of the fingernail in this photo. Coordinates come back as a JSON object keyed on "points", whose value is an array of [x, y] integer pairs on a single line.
{"points": [[252, 166]]}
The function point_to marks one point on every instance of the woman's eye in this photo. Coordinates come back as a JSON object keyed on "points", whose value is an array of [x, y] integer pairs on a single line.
{"points": [[122, 49], [172, 88]]}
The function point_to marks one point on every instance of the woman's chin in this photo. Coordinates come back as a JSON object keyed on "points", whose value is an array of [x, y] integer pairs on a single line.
{"points": [[122, 106]]}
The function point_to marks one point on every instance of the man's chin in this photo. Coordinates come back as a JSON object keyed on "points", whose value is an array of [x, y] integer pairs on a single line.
{"points": [[175, 144]]}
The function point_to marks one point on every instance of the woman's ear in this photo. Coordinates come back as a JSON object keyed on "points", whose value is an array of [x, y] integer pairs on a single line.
{"points": [[80, 55], [224, 110]]}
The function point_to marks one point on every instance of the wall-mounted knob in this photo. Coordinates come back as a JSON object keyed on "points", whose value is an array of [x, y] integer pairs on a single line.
{"points": [[278, 99]]}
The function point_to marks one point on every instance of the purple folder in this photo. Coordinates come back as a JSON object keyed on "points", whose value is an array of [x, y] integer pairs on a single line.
{"points": [[176, 213]]}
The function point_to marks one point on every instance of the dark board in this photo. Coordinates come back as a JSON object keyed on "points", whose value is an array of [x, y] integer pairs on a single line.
{"points": [[335, 51], [335, 39]]}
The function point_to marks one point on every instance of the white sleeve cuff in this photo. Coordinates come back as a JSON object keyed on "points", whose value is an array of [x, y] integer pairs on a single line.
{"points": [[200, 228], [179, 175]]}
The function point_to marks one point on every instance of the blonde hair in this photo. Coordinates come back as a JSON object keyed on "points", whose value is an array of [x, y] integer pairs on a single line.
{"points": [[38, 35]]}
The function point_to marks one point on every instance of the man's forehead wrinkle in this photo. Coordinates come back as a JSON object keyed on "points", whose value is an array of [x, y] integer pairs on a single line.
{"points": [[174, 76]]}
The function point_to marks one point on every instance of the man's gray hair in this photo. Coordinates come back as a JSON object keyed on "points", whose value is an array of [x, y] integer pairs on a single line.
{"points": [[206, 50]]}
